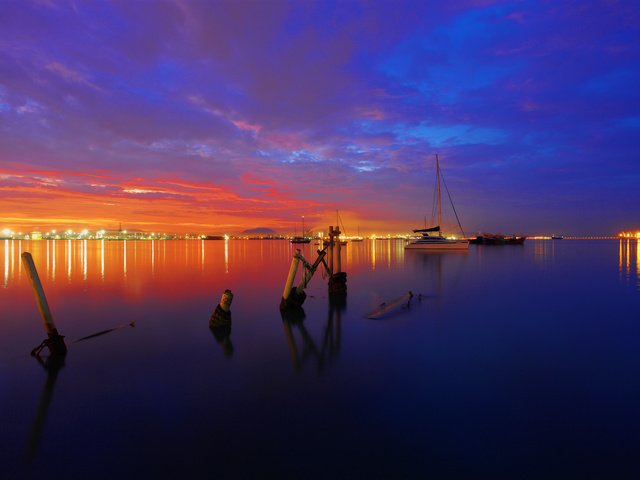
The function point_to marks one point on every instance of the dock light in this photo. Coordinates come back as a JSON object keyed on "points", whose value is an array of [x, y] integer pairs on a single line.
{"points": [[84, 232], [53, 231], [6, 231], [226, 237]]}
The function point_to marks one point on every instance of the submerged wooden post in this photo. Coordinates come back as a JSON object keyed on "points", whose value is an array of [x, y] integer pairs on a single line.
{"points": [[225, 301], [221, 316], [55, 340]]}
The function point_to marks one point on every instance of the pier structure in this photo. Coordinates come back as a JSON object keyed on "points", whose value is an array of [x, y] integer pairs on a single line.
{"points": [[294, 297]]}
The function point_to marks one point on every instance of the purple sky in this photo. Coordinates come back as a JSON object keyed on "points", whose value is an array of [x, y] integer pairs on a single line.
{"points": [[219, 116]]}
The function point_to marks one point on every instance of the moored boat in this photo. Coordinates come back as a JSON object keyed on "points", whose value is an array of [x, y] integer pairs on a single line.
{"points": [[432, 238], [494, 239]]}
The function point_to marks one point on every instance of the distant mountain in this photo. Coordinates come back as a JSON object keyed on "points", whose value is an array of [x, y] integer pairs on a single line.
{"points": [[259, 231]]}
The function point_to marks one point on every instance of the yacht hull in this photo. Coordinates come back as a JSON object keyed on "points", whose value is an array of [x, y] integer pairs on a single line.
{"points": [[439, 246]]}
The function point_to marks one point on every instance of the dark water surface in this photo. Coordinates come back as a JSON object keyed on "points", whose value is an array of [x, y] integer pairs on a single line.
{"points": [[519, 362]]}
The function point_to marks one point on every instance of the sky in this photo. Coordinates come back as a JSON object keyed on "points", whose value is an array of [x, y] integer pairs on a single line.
{"points": [[214, 117]]}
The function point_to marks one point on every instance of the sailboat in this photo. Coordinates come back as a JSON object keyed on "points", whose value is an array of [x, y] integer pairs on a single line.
{"points": [[358, 238], [303, 238], [431, 238]]}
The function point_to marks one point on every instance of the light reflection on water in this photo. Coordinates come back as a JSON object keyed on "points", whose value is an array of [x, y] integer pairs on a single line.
{"points": [[539, 342], [629, 260]]}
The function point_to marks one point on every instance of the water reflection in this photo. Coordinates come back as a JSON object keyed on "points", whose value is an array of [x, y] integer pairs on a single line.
{"points": [[102, 260], [629, 253], [308, 349], [543, 250], [115, 261], [52, 365], [226, 255], [84, 260], [68, 256], [222, 335], [6, 263]]}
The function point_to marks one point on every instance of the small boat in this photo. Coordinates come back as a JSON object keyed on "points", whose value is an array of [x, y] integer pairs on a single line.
{"points": [[432, 238], [303, 238], [436, 242], [300, 240], [557, 237], [387, 307], [496, 239], [358, 238]]}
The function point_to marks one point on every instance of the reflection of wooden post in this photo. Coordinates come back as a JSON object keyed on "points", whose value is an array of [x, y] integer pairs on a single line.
{"points": [[56, 342], [53, 365], [291, 342]]}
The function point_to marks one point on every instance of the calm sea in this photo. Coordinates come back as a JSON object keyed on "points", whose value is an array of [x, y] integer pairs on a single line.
{"points": [[516, 362]]}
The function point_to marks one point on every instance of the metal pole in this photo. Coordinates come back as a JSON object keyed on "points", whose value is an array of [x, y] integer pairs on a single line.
{"points": [[439, 203]]}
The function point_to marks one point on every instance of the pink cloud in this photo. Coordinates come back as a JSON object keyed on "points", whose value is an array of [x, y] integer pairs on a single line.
{"points": [[70, 75], [242, 125]]}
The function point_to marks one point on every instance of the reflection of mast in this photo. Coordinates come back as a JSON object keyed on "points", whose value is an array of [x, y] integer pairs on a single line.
{"points": [[52, 364], [439, 275]]}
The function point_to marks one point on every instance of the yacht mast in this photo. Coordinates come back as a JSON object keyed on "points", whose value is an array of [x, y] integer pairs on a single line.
{"points": [[438, 181]]}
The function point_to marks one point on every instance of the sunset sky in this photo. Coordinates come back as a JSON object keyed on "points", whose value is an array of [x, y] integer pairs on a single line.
{"points": [[213, 117]]}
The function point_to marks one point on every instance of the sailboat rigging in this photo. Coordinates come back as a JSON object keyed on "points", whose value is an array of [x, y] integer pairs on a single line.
{"points": [[304, 238], [432, 238]]}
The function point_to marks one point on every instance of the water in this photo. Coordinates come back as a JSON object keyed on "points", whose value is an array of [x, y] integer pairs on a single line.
{"points": [[518, 362]]}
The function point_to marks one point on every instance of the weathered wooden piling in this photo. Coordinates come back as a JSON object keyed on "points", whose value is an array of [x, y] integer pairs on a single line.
{"points": [[55, 341], [292, 274], [294, 297], [337, 278], [221, 316]]}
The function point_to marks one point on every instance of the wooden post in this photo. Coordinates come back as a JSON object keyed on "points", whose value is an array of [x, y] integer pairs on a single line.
{"points": [[331, 245], [338, 251], [309, 270], [225, 301], [221, 316], [56, 342], [292, 274]]}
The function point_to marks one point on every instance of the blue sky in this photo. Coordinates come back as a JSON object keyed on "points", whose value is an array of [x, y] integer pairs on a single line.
{"points": [[220, 116]]}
